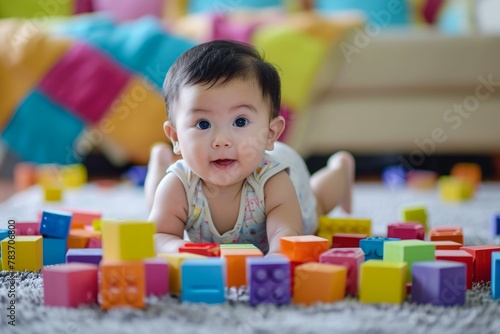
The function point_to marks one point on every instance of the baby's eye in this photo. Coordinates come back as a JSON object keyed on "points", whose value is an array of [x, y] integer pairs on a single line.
{"points": [[241, 122], [203, 125]]}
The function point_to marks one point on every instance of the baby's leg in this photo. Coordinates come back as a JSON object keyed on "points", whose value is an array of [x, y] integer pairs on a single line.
{"points": [[332, 184], [161, 157]]}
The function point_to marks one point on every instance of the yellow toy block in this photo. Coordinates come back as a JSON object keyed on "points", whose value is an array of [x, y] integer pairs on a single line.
{"points": [[409, 251], [382, 282], [22, 253], [97, 224], [174, 268], [303, 248], [236, 268], [122, 284], [74, 176], [453, 189], [53, 192], [416, 213], [328, 226], [128, 240], [319, 282]]}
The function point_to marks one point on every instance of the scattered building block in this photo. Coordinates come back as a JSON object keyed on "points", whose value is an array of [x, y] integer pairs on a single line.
{"points": [[382, 281], [328, 226], [53, 192], [452, 189], [447, 234], [208, 249], [128, 240], [4, 233], [303, 248], [421, 179], [97, 224], [309, 276], [269, 280], [79, 238], [27, 228], [84, 255], [94, 243], [406, 231], [394, 176], [122, 284], [54, 251], [495, 275], [70, 285], [440, 283], [236, 264], [55, 224], [24, 176], [417, 213], [495, 225], [351, 258], [373, 248], [446, 245], [83, 217], [137, 175], [156, 275], [47, 173], [232, 246], [27, 252], [74, 176], [174, 268], [462, 257], [409, 251], [470, 172], [210, 289], [347, 240], [482, 261]]}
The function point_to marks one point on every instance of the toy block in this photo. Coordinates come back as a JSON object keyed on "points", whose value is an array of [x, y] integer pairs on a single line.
{"points": [[239, 246], [328, 226], [74, 176], [303, 248], [446, 245], [24, 176], [347, 240], [156, 272], [459, 256], [269, 280], [97, 224], [447, 234], [224, 28], [47, 174], [129, 10], [209, 249], [54, 251], [495, 275], [482, 261], [406, 231], [122, 284], [236, 264], [27, 228], [293, 265], [52, 192], [137, 175], [84, 255], [83, 217], [22, 253], [409, 251], [351, 258], [452, 189], [373, 248], [174, 268], [127, 240], [495, 225], [470, 172], [416, 214], [211, 289], [394, 176], [55, 224], [309, 276], [4, 233], [80, 238], [421, 179], [382, 281], [70, 284], [94, 243], [440, 283]]}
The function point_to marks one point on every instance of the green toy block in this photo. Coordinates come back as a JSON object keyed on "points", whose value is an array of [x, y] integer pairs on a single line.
{"points": [[415, 214], [32, 9], [409, 251]]}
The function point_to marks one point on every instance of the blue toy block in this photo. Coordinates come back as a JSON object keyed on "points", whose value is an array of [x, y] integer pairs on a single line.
{"points": [[495, 275], [137, 175], [394, 176], [374, 247], [54, 251], [202, 281], [495, 225], [269, 280], [4, 233], [84, 255], [199, 6], [55, 224]]}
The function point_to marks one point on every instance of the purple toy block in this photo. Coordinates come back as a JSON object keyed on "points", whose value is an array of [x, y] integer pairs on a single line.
{"points": [[406, 231], [440, 283], [86, 81], [55, 224], [127, 10], [156, 271], [137, 175], [394, 176], [495, 225], [269, 280], [27, 228], [84, 255], [351, 258]]}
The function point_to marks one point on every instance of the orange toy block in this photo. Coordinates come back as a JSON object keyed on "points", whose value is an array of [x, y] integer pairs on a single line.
{"points": [[446, 245], [319, 283], [24, 176], [122, 284], [303, 248], [79, 238], [467, 171], [82, 218], [236, 272], [447, 234]]}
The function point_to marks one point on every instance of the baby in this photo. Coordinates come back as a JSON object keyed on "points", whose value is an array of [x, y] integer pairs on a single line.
{"points": [[234, 183]]}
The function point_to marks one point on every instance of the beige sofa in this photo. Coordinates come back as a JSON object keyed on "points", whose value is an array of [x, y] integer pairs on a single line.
{"points": [[411, 92]]}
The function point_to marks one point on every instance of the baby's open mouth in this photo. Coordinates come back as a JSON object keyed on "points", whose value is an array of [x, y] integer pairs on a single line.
{"points": [[223, 163]]}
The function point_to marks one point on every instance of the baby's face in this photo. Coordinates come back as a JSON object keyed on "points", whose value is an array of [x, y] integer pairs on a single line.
{"points": [[223, 131]]}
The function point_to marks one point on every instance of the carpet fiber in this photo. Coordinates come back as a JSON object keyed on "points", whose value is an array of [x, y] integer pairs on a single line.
{"points": [[480, 314]]}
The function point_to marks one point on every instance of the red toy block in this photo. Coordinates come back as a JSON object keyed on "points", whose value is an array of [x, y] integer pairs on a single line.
{"points": [[156, 273], [459, 256], [347, 240], [208, 249], [406, 231], [482, 261], [70, 284], [447, 233], [122, 284], [24, 176], [27, 228], [446, 245], [351, 258], [303, 248]]}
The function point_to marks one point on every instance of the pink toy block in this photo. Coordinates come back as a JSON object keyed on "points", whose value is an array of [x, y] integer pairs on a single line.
{"points": [[70, 284], [347, 240], [156, 274], [482, 261], [82, 217], [82, 65], [127, 10], [351, 258], [406, 231], [27, 228], [94, 243], [222, 28], [459, 256], [421, 179]]}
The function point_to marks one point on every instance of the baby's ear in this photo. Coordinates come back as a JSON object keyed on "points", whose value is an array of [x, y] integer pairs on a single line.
{"points": [[276, 128], [171, 133]]}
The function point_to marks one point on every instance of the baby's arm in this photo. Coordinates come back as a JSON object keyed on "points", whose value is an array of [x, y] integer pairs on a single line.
{"points": [[169, 212], [284, 217]]}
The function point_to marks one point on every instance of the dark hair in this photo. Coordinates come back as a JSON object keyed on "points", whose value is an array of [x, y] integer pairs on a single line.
{"points": [[218, 62]]}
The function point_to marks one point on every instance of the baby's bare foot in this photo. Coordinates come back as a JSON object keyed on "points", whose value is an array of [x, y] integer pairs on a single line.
{"points": [[344, 161]]}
